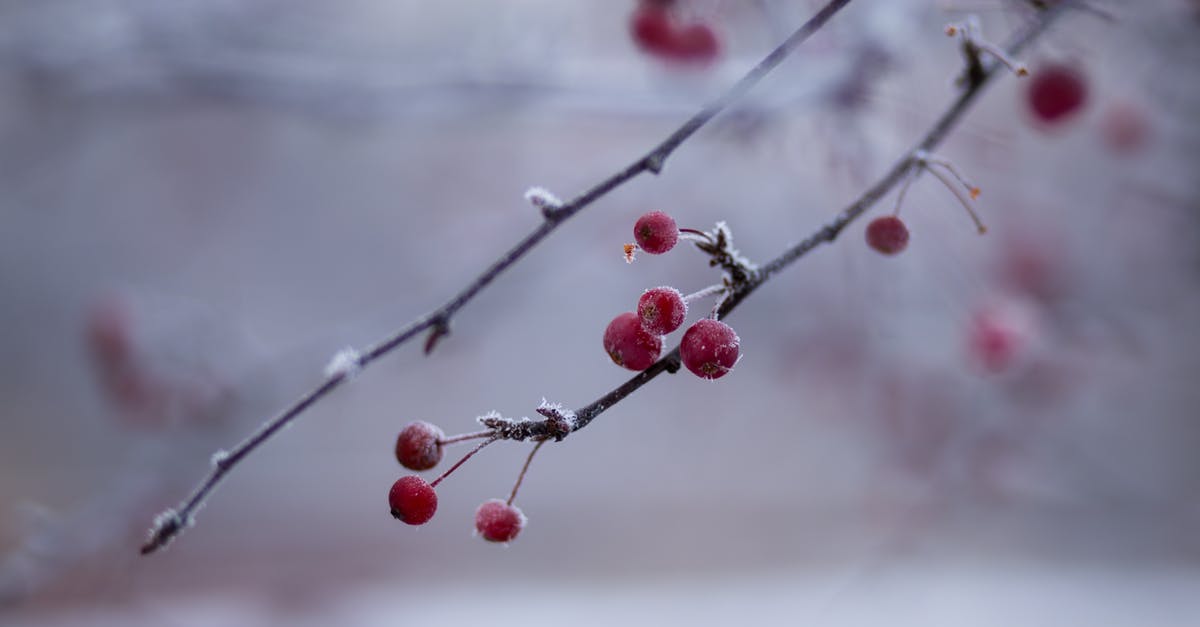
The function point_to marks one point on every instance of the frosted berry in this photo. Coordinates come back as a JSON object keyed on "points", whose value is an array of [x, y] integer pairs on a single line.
{"points": [[709, 348], [887, 234], [497, 521], [661, 310], [656, 232], [629, 345], [418, 446], [1056, 92], [412, 500]]}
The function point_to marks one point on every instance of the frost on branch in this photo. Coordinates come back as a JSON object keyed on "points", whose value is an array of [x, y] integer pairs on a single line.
{"points": [[166, 525], [561, 418], [346, 363], [558, 424], [545, 201], [718, 244]]}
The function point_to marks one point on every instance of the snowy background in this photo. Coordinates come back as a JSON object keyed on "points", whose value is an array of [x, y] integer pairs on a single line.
{"points": [[202, 201]]}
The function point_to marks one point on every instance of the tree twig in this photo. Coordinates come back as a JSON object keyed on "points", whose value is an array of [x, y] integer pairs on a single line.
{"points": [[172, 522], [904, 167]]}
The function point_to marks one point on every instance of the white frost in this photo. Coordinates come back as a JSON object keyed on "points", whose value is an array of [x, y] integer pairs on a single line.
{"points": [[344, 363], [548, 409], [541, 198]]}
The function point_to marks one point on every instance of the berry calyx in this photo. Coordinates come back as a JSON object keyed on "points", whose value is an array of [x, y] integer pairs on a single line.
{"points": [[1055, 93], [656, 232], [413, 501], [629, 345], [709, 348], [497, 521], [887, 234], [419, 446], [661, 310]]}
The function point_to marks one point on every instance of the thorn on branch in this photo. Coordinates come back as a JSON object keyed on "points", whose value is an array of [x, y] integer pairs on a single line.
{"points": [[439, 329], [654, 162]]}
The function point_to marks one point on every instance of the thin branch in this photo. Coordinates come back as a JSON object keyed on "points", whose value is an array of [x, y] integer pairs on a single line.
{"points": [[174, 522], [907, 166]]}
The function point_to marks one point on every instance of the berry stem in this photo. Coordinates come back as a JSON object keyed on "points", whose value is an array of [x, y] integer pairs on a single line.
{"points": [[471, 453], [463, 437], [708, 291], [960, 195], [521, 477], [928, 159], [908, 181], [695, 235]]}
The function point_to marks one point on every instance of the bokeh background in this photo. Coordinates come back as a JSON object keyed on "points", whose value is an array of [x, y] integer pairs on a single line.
{"points": [[202, 201]]}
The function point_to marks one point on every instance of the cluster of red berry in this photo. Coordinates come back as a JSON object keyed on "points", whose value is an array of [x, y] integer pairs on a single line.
{"points": [[414, 501], [709, 348], [657, 28]]}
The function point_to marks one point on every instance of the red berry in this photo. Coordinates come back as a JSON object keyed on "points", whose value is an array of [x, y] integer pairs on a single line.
{"points": [[419, 447], [697, 42], [498, 521], [1056, 92], [413, 501], [887, 234], [1125, 127], [661, 310], [656, 232], [709, 348], [651, 29], [629, 345], [998, 336]]}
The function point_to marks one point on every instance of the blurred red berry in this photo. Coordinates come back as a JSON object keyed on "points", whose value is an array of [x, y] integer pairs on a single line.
{"points": [[709, 348], [652, 30], [413, 501], [998, 335], [696, 42], [1124, 127], [497, 521], [629, 345], [661, 310], [655, 31], [887, 234], [418, 446], [1055, 92], [656, 232]]}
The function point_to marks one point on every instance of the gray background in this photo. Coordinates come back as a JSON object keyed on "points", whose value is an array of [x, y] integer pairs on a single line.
{"points": [[259, 184]]}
